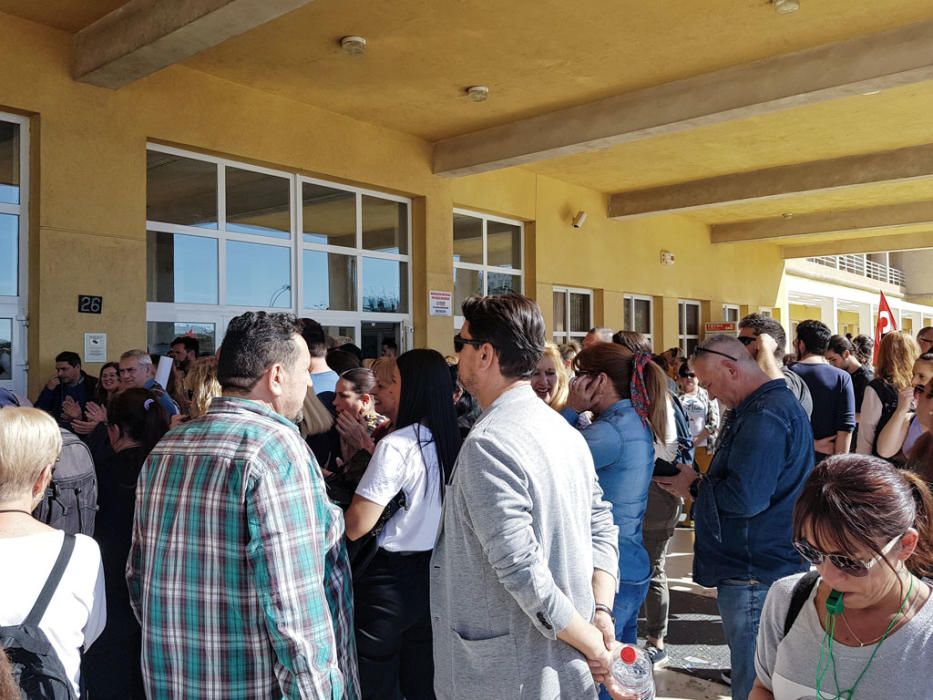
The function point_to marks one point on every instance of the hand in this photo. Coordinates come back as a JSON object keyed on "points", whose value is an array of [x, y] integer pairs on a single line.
{"points": [[354, 432], [825, 446], [600, 660], [71, 409], [905, 399], [604, 624], [83, 427], [53, 383], [767, 344], [583, 391], [678, 485], [95, 412], [177, 420], [603, 674]]}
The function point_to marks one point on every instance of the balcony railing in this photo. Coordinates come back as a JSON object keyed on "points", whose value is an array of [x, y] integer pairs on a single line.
{"points": [[862, 266]]}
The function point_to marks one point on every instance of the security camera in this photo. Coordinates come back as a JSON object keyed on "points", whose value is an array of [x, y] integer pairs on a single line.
{"points": [[579, 219]]}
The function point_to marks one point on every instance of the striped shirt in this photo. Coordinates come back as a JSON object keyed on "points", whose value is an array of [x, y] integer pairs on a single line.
{"points": [[238, 570]]}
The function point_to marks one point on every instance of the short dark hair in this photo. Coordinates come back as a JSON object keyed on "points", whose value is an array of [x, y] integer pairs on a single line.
{"points": [[314, 336], [814, 335], [72, 358], [513, 325], [255, 341], [191, 344], [864, 347], [389, 343], [341, 360], [762, 324], [840, 344], [353, 350], [633, 340]]}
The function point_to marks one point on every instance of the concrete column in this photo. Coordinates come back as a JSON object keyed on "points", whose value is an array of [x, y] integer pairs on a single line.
{"points": [[829, 313], [865, 320], [666, 328]]}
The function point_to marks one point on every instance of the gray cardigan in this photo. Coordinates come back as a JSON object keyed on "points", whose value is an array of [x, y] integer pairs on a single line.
{"points": [[524, 526]]}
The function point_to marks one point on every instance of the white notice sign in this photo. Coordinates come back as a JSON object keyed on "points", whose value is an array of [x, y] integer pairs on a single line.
{"points": [[95, 347], [439, 303]]}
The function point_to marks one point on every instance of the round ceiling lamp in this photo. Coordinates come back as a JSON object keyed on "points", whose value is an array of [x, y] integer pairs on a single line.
{"points": [[353, 45]]}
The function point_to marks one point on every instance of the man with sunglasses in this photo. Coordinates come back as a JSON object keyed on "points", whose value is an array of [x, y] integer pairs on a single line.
{"points": [[524, 570], [764, 338], [744, 505]]}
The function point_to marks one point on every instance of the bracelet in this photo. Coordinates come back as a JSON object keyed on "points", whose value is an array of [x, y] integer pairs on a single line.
{"points": [[606, 609]]}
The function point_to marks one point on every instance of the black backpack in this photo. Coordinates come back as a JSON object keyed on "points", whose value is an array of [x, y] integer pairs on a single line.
{"points": [[37, 670], [70, 501], [686, 452]]}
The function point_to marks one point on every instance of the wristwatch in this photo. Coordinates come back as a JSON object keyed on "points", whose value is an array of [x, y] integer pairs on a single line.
{"points": [[606, 609]]}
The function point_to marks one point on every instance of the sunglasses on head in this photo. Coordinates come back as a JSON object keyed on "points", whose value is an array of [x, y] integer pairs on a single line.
{"points": [[698, 350], [847, 565]]}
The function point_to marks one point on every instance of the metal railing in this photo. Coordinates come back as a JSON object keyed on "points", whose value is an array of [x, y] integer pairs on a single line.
{"points": [[862, 266]]}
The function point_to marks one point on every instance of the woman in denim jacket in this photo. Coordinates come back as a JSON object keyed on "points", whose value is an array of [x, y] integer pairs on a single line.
{"points": [[627, 393]]}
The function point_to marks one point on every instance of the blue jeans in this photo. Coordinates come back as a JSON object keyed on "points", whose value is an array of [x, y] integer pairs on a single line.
{"points": [[740, 603], [625, 609]]}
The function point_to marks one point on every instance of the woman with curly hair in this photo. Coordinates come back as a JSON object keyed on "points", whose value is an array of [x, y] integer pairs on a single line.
{"points": [[550, 381]]}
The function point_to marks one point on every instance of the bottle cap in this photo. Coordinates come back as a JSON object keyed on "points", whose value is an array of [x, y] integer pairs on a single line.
{"points": [[628, 655]]}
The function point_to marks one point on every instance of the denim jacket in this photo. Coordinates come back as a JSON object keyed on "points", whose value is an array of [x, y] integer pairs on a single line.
{"points": [[623, 453], [744, 507]]}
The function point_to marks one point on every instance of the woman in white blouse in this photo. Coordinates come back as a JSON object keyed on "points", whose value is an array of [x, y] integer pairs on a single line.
{"points": [[30, 443], [411, 465]]}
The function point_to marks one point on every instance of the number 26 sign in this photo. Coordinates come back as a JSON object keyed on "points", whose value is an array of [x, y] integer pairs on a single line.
{"points": [[90, 305]]}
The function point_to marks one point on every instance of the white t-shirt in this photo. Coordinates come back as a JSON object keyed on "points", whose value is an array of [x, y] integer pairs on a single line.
{"points": [[668, 450], [400, 463], [77, 612]]}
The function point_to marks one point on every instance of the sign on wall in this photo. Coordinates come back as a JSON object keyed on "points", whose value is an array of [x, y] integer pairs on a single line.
{"points": [[95, 347], [721, 327], [440, 303], [88, 304]]}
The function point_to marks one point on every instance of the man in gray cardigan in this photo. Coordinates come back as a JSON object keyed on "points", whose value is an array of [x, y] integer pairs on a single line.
{"points": [[527, 553]]}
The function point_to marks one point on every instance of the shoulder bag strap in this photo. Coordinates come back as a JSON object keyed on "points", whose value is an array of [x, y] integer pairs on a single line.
{"points": [[51, 583], [798, 598]]}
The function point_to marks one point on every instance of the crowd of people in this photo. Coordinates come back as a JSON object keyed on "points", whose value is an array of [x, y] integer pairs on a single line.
{"points": [[287, 518]]}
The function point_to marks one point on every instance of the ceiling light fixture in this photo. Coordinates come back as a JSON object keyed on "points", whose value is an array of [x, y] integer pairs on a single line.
{"points": [[785, 7], [478, 93], [353, 45]]}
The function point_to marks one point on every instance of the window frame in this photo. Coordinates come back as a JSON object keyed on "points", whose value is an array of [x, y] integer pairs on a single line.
{"points": [[484, 267], [682, 338], [628, 311], [568, 335], [221, 313], [16, 306], [731, 307]]}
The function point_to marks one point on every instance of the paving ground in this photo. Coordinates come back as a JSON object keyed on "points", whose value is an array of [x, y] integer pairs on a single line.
{"points": [[695, 644]]}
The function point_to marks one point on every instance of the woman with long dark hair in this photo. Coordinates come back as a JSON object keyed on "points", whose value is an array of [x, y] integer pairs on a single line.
{"points": [[861, 626], [392, 608], [627, 393], [136, 421]]}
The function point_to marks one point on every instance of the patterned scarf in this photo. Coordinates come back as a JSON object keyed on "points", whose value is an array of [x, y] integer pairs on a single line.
{"points": [[640, 399]]}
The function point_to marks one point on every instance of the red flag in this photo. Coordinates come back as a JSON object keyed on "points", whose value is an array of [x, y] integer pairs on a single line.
{"points": [[885, 324]]}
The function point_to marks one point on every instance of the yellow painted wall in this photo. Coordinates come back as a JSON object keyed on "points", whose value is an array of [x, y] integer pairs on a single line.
{"points": [[89, 189], [800, 312], [848, 322]]}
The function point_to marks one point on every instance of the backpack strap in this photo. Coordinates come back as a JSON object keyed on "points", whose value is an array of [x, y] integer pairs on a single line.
{"points": [[51, 583], [798, 598]]}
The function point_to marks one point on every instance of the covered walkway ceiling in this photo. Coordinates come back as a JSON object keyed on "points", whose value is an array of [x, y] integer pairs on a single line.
{"points": [[812, 129]]}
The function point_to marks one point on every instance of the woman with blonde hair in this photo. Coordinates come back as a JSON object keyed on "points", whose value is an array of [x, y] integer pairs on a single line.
{"points": [[202, 385], [30, 444], [627, 393], [550, 380], [897, 353]]}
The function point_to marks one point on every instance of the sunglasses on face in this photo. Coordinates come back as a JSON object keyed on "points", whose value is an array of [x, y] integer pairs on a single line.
{"points": [[688, 375], [847, 565], [746, 339], [460, 341]]}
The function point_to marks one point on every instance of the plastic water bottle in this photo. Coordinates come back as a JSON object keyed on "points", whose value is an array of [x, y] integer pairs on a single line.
{"points": [[632, 671]]}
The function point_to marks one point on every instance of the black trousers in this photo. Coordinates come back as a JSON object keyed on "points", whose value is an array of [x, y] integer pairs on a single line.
{"points": [[392, 615]]}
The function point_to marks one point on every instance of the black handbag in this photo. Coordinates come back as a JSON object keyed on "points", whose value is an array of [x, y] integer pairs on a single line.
{"points": [[362, 551]]}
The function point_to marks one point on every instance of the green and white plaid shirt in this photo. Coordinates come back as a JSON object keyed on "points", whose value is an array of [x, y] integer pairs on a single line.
{"points": [[238, 570]]}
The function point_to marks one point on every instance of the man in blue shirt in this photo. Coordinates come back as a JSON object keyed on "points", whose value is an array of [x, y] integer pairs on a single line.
{"points": [[137, 370], [71, 388], [744, 505], [833, 417]]}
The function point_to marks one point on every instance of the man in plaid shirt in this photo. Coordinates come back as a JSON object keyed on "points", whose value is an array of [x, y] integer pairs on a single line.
{"points": [[238, 572]]}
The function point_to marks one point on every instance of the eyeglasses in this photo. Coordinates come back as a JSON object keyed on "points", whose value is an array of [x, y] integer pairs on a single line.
{"points": [[698, 350], [460, 341], [746, 339], [847, 565], [688, 375]]}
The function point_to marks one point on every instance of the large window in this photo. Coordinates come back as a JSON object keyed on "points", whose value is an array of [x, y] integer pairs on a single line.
{"points": [[225, 236], [487, 257], [14, 208], [638, 315], [573, 314], [688, 325], [730, 313]]}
